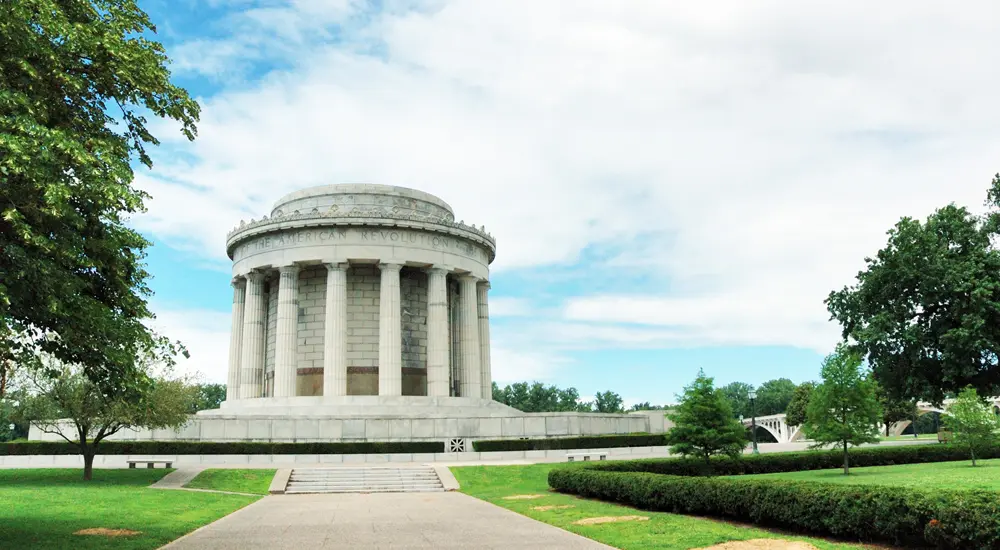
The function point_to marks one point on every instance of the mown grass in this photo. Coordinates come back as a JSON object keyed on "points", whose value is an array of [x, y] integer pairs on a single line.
{"points": [[661, 531], [935, 475], [42, 508], [252, 481]]}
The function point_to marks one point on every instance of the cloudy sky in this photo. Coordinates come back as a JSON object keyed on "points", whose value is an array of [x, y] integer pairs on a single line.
{"points": [[672, 185]]}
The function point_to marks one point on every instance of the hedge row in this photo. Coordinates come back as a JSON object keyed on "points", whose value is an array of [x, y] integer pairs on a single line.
{"points": [[583, 442], [798, 461], [229, 448], [946, 519]]}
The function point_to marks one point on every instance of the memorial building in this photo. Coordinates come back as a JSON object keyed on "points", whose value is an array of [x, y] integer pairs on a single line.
{"points": [[361, 313]]}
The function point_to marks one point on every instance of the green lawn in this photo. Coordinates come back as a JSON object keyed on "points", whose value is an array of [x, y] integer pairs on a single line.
{"points": [[42, 508], [662, 531], [937, 475], [908, 437], [238, 481]]}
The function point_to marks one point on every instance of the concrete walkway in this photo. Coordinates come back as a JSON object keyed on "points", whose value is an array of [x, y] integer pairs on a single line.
{"points": [[391, 520]]}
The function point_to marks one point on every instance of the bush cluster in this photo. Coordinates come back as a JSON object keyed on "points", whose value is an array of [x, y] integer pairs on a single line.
{"points": [[228, 448], [910, 516], [946, 519], [770, 463], [583, 442]]}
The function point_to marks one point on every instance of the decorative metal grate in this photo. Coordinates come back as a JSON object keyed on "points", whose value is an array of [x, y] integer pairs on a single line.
{"points": [[456, 445]]}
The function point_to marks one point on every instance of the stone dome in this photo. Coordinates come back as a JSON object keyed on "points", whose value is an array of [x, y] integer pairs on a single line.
{"points": [[348, 198]]}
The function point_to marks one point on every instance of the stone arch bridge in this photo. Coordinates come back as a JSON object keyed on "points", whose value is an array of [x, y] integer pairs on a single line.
{"points": [[777, 426]]}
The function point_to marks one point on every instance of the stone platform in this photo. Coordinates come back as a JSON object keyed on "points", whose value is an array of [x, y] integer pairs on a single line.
{"points": [[386, 418]]}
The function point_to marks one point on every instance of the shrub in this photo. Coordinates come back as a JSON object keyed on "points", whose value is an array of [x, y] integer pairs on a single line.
{"points": [[223, 448], [768, 463], [582, 442], [947, 519]]}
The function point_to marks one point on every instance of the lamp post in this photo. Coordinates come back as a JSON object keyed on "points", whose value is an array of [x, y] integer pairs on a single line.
{"points": [[753, 420]]}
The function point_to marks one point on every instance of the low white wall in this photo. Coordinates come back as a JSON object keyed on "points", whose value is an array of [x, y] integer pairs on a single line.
{"points": [[119, 461], [291, 429]]}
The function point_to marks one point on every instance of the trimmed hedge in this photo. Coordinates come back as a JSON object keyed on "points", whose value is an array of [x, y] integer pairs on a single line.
{"points": [[798, 461], [582, 442], [946, 519], [228, 448]]}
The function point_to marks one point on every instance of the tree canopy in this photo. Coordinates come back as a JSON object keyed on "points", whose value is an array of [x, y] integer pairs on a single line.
{"points": [[925, 312], [795, 413], [737, 394], [774, 396], [77, 80], [537, 397], [843, 409], [704, 423]]}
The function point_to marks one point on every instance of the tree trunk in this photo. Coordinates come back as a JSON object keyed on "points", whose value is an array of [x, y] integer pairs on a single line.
{"points": [[88, 463], [972, 450], [847, 466], [887, 430]]}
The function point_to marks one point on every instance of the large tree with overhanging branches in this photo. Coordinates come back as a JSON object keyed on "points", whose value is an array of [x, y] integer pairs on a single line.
{"points": [[77, 80], [925, 312]]}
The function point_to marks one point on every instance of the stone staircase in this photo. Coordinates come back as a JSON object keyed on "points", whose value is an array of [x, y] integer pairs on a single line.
{"points": [[363, 480]]}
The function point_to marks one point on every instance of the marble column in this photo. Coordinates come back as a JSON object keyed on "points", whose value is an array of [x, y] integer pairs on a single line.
{"points": [[335, 331], [286, 331], [236, 339], [471, 374], [486, 377], [390, 333], [252, 357], [437, 333]]}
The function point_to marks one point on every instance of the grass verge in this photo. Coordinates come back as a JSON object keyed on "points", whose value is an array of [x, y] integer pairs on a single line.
{"points": [[661, 531], [254, 481], [43, 508], [935, 475]]}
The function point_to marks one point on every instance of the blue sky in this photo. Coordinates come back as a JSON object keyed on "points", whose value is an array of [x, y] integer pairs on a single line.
{"points": [[671, 188]]}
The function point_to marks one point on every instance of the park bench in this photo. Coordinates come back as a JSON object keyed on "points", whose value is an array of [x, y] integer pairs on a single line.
{"points": [[944, 436], [149, 462], [587, 455]]}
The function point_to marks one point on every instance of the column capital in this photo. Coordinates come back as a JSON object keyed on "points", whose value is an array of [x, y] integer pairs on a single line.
{"points": [[468, 277], [337, 266], [255, 277], [292, 268], [238, 281], [390, 266], [485, 283]]}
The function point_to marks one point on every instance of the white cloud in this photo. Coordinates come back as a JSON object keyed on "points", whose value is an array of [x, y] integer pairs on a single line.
{"points": [[508, 306], [746, 155], [205, 334]]}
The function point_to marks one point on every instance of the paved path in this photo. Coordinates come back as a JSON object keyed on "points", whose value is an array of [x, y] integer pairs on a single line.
{"points": [[391, 520]]}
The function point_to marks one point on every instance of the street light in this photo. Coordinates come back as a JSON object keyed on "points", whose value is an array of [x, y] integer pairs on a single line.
{"points": [[753, 420]]}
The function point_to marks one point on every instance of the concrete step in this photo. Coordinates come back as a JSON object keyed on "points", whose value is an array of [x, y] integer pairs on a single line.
{"points": [[291, 491], [363, 480]]}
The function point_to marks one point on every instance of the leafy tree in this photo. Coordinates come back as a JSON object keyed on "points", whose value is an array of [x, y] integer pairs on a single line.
{"points": [[738, 396], [704, 423], [646, 406], [973, 422], [208, 396], [538, 397], [795, 413], [844, 408], [77, 80], [893, 409], [73, 407], [925, 312], [608, 402], [774, 396]]}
